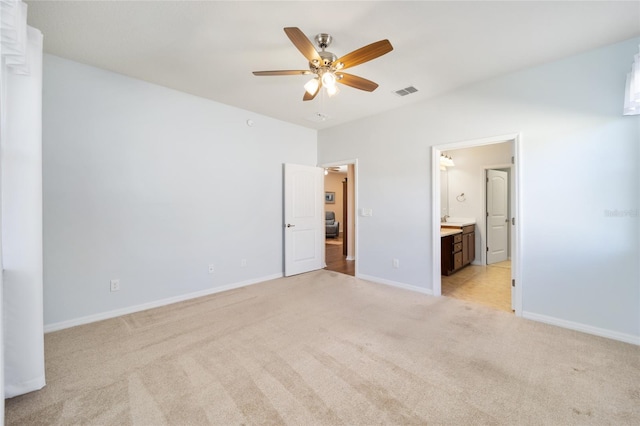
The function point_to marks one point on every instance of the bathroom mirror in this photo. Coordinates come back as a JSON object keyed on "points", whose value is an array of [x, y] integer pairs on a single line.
{"points": [[444, 193]]}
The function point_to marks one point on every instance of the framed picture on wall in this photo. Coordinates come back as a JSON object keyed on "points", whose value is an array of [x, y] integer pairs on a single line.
{"points": [[329, 197]]}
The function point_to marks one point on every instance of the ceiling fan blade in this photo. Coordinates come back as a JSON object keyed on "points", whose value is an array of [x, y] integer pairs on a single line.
{"points": [[357, 82], [283, 72], [307, 96], [303, 44], [365, 54]]}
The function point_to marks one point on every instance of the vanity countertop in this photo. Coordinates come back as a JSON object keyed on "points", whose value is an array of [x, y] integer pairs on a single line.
{"points": [[445, 232], [458, 222]]}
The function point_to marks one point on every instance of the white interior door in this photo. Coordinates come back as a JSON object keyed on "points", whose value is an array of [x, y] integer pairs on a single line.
{"points": [[497, 216], [303, 219]]}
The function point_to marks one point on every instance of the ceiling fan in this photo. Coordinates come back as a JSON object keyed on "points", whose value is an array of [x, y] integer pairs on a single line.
{"points": [[327, 67]]}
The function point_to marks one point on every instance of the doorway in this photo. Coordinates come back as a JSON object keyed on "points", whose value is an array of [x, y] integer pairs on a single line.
{"points": [[498, 214], [340, 236], [468, 198]]}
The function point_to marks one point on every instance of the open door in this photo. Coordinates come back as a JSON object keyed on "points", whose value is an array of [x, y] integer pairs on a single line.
{"points": [[497, 216], [303, 219]]}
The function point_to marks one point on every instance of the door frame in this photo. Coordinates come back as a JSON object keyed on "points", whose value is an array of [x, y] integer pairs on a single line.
{"points": [[516, 256], [356, 179]]}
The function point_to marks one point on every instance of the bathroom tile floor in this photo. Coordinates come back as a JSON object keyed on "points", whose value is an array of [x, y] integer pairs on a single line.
{"points": [[488, 285]]}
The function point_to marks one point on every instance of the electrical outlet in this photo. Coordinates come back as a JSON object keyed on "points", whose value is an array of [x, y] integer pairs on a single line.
{"points": [[212, 268], [115, 285], [243, 263], [396, 263]]}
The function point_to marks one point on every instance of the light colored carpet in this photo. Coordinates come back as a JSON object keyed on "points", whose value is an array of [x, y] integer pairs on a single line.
{"points": [[329, 349]]}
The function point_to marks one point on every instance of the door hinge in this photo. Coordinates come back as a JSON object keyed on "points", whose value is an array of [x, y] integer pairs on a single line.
{"points": [[487, 214], [513, 160], [487, 248], [513, 220], [513, 283]]}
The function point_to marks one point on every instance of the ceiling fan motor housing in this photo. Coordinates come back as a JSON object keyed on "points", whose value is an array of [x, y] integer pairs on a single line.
{"points": [[323, 40], [326, 59]]}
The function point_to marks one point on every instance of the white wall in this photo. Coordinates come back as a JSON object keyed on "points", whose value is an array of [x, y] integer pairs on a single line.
{"points": [[579, 264], [150, 185]]}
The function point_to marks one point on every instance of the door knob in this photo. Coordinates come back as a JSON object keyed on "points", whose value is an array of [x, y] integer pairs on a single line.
{"points": [[290, 225]]}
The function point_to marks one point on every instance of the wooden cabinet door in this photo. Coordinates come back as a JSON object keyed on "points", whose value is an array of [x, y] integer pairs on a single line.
{"points": [[465, 249], [446, 255], [468, 248]]}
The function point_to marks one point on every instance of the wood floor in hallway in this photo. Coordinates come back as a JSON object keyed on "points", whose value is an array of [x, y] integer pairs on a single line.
{"points": [[488, 285], [335, 260]]}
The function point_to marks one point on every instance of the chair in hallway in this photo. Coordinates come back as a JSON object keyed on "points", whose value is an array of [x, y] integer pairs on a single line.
{"points": [[332, 227]]}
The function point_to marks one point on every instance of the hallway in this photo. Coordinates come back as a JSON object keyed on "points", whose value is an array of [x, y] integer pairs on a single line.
{"points": [[336, 261]]}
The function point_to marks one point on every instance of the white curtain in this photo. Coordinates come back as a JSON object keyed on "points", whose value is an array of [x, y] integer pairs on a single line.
{"points": [[21, 195], [632, 89]]}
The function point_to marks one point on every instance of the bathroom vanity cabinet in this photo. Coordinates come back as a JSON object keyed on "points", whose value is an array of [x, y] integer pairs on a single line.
{"points": [[457, 247]]}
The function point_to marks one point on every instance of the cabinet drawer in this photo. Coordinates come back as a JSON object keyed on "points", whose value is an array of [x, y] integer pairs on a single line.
{"points": [[457, 260], [457, 238], [468, 229], [457, 247]]}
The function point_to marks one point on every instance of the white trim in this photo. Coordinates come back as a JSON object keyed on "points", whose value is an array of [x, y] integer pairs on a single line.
{"points": [[602, 332], [491, 140], [436, 150], [436, 209], [396, 284], [517, 215], [48, 328]]}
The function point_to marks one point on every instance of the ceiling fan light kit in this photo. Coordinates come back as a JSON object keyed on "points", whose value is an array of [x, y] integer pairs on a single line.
{"points": [[312, 86], [327, 67]]}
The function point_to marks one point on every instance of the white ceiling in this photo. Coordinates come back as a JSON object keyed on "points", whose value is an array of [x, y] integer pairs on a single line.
{"points": [[209, 48]]}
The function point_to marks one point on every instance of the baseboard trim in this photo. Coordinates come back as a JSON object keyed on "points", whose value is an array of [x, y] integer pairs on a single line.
{"points": [[395, 284], [48, 328], [601, 332]]}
